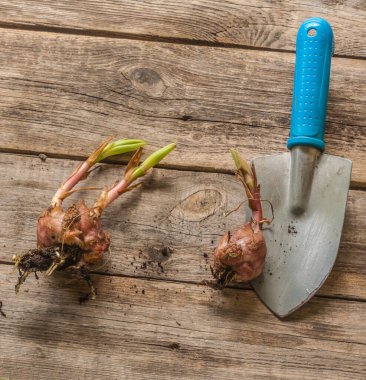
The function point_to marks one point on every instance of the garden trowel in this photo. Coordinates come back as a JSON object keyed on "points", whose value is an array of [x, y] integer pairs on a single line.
{"points": [[307, 188]]}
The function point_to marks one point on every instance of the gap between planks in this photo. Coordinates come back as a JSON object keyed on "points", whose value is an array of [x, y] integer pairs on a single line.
{"points": [[239, 287], [354, 185], [41, 95], [190, 235], [122, 161], [231, 330], [148, 38]]}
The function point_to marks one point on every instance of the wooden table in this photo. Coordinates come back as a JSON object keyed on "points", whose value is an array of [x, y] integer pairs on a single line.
{"points": [[209, 75]]}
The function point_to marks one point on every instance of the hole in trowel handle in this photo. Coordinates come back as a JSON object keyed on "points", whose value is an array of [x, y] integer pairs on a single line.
{"points": [[312, 32]]}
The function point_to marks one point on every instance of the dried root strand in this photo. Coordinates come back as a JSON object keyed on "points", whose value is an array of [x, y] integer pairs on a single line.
{"points": [[45, 260], [51, 259], [223, 277], [85, 275]]}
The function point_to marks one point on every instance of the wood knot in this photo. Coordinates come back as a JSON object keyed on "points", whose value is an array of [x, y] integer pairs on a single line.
{"points": [[147, 81], [198, 206]]}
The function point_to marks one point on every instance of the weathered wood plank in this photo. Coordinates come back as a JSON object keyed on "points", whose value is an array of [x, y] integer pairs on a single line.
{"points": [[158, 330], [57, 88], [266, 24], [184, 211]]}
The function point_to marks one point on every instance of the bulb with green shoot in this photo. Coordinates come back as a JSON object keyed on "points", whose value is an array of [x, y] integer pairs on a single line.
{"points": [[240, 256], [74, 238]]}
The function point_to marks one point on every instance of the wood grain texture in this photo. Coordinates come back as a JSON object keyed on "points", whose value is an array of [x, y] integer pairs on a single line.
{"points": [[56, 89], [260, 24], [183, 212], [78, 71], [158, 330]]}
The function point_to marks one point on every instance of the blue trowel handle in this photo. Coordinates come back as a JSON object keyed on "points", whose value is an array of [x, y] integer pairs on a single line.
{"points": [[314, 49]]}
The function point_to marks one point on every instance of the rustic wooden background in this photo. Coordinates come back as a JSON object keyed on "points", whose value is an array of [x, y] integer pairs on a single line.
{"points": [[210, 75]]}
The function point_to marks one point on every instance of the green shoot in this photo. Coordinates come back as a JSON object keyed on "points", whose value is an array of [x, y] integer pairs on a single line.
{"points": [[119, 147], [244, 169], [151, 161]]}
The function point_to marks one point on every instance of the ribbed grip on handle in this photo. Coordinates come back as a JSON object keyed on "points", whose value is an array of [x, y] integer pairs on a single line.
{"points": [[314, 49]]}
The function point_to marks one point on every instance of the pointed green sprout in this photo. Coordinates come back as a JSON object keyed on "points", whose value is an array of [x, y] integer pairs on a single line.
{"points": [[151, 161], [243, 167], [119, 147]]}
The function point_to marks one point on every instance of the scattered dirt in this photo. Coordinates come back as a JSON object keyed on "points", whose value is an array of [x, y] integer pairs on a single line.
{"points": [[1, 309], [156, 257], [291, 230]]}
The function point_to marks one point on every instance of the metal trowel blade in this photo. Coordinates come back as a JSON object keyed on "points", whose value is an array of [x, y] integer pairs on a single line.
{"points": [[301, 249]]}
